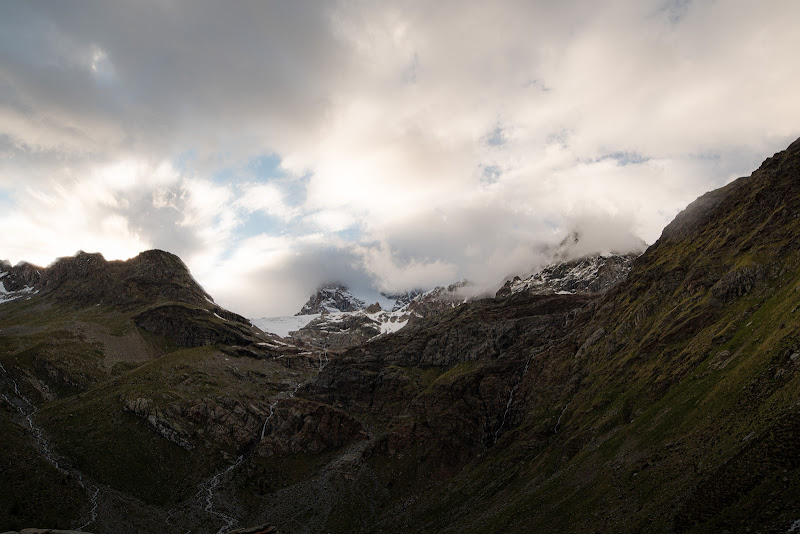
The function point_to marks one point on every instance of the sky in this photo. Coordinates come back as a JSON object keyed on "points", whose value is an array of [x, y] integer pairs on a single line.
{"points": [[275, 146]]}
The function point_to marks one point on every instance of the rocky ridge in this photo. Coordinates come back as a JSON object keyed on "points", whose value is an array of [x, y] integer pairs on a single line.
{"points": [[172, 303], [348, 322], [331, 299], [594, 274], [339, 331]]}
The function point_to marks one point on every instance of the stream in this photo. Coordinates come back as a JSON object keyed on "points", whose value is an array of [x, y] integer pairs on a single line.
{"points": [[27, 409], [204, 499], [511, 399], [205, 495], [558, 423]]}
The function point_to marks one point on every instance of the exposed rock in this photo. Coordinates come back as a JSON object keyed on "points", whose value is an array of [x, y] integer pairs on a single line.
{"points": [[340, 331], [151, 276], [300, 426], [586, 275], [742, 280], [336, 332], [330, 299], [226, 419], [403, 299], [20, 276], [169, 430], [437, 300]]}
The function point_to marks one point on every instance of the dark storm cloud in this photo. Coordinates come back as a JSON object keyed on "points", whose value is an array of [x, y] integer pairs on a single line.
{"points": [[168, 72]]}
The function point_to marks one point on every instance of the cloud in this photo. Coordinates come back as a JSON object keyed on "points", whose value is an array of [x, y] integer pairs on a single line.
{"points": [[406, 144], [267, 198]]}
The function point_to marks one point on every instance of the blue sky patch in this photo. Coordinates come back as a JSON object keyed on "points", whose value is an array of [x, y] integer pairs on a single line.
{"points": [[625, 158], [266, 167], [351, 233], [490, 174], [6, 202], [258, 222], [497, 137]]}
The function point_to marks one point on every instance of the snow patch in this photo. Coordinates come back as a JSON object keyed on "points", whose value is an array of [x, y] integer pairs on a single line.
{"points": [[284, 324], [8, 296], [392, 326]]}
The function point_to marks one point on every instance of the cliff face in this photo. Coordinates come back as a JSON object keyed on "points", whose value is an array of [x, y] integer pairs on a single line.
{"points": [[595, 274]]}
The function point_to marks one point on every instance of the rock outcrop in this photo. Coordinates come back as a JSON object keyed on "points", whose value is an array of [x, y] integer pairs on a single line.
{"points": [[169, 430], [172, 303], [299, 426], [152, 276], [19, 276], [337, 332], [595, 274], [332, 298]]}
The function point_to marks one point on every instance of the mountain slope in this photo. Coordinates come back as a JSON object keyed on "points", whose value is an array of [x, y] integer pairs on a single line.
{"points": [[331, 299]]}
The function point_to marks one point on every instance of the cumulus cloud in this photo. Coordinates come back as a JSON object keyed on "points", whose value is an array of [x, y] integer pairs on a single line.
{"points": [[412, 144]]}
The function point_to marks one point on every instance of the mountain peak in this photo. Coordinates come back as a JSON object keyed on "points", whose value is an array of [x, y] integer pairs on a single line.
{"points": [[87, 277], [332, 298], [583, 243], [592, 274]]}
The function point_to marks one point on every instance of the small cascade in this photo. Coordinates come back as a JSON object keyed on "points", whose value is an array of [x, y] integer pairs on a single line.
{"points": [[286, 394], [205, 495], [511, 399], [93, 512], [28, 410], [558, 423], [322, 363], [271, 412]]}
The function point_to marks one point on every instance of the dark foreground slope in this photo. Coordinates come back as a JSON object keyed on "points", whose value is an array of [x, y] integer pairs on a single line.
{"points": [[669, 404]]}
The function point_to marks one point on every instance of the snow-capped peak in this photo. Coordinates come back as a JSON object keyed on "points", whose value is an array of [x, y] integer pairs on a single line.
{"points": [[594, 274], [578, 265], [331, 299]]}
